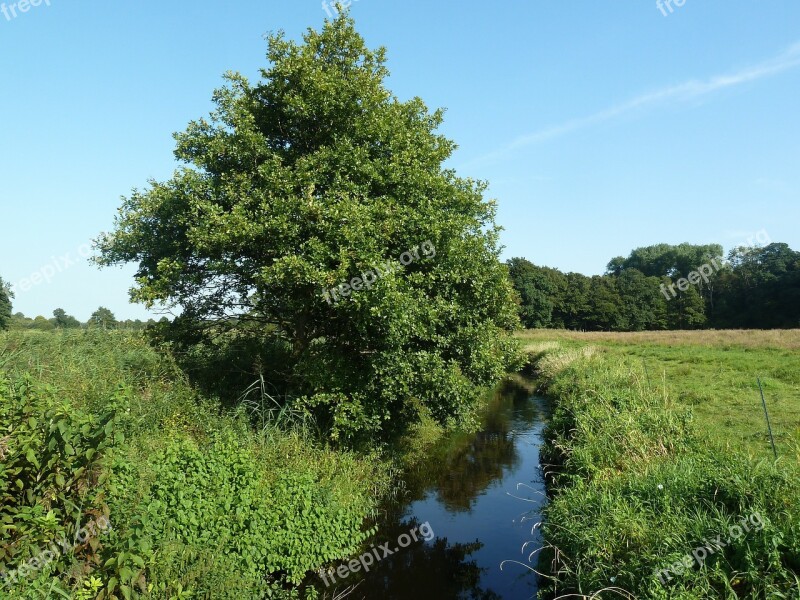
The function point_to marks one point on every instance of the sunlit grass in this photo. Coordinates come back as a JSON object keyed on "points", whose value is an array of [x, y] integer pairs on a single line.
{"points": [[160, 411], [636, 487], [747, 338], [712, 372]]}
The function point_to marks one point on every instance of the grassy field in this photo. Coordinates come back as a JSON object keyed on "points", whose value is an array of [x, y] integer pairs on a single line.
{"points": [[642, 505], [202, 504], [714, 373], [636, 482]]}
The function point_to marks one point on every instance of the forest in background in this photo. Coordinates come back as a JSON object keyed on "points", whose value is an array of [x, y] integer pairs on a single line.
{"points": [[664, 287], [755, 287]]}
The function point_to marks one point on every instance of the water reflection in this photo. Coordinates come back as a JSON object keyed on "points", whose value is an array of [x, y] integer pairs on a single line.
{"points": [[464, 490], [439, 569]]}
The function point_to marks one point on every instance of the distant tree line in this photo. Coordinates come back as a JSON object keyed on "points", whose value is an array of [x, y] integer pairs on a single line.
{"points": [[666, 287], [755, 288], [102, 318]]}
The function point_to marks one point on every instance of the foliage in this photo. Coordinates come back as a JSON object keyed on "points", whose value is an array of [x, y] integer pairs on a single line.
{"points": [[5, 304], [236, 513], [758, 287], [215, 502], [642, 304], [51, 475], [302, 181], [629, 301], [64, 321], [665, 260], [102, 318], [535, 290], [202, 506], [61, 320], [761, 290]]}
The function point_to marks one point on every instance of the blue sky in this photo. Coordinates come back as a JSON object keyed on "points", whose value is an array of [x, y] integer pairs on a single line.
{"points": [[601, 126]]}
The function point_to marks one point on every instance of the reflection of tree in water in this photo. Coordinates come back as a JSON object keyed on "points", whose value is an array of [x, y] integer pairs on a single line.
{"points": [[458, 469], [516, 392], [436, 571], [464, 465], [466, 474]]}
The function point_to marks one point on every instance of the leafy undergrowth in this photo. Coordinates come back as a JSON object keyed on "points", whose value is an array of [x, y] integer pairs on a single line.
{"points": [[98, 426], [636, 489]]}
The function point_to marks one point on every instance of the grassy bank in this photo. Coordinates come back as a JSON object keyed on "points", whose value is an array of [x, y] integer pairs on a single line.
{"points": [[639, 484], [98, 425], [713, 373]]}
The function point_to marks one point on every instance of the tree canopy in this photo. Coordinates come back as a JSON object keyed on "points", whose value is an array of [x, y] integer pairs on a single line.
{"points": [[756, 287], [304, 182], [666, 260], [64, 321], [102, 318], [5, 304]]}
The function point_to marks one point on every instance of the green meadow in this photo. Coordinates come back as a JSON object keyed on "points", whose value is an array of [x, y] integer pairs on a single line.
{"points": [[715, 374], [656, 454]]}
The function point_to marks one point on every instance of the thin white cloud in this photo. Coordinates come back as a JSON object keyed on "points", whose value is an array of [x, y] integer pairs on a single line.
{"points": [[683, 92]]}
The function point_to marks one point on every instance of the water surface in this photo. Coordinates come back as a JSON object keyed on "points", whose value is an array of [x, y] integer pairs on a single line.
{"points": [[481, 495]]}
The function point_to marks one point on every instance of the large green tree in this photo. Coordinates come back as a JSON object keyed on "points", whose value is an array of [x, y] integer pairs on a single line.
{"points": [[103, 318], [64, 321], [313, 177], [5, 304], [536, 292]]}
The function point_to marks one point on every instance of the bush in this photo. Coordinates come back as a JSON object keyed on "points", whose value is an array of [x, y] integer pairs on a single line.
{"points": [[212, 507], [51, 476], [202, 506]]}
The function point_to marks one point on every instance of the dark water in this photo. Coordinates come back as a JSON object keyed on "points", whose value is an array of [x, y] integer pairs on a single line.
{"points": [[481, 495]]}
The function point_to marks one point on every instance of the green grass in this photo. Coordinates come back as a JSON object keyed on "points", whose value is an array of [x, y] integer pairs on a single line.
{"points": [[721, 388], [203, 504], [714, 374], [636, 486]]}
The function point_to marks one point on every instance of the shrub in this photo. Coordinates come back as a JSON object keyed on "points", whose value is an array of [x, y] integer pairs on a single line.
{"points": [[51, 476], [211, 512]]}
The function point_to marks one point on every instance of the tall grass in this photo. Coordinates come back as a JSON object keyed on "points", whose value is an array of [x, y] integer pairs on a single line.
{"points": [[266, 412], [203, 504], [715, 374], [635, 487]]}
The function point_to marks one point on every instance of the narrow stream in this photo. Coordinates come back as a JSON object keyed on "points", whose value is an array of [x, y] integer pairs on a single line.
{"points": [[481, 495]]}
